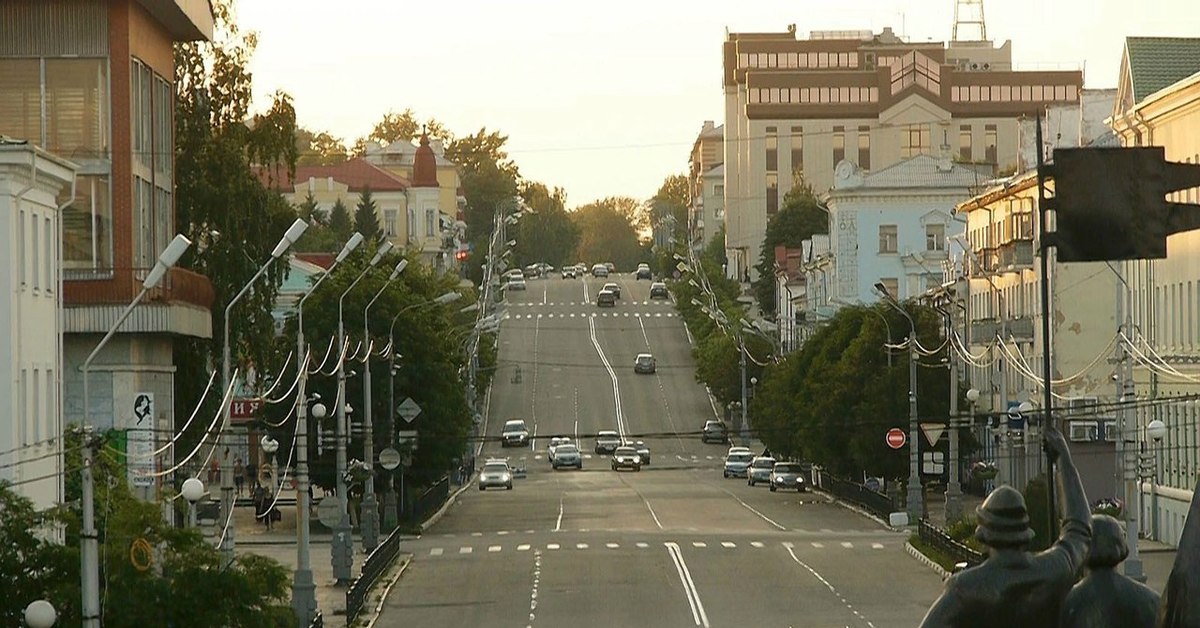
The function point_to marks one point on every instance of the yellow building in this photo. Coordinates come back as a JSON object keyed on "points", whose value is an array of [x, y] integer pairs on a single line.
{"points": [[400, 158]]}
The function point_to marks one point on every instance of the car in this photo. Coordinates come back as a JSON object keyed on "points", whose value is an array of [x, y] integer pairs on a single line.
{"points": [[626, 457], [737, 464], [788, 475], [643, 452], [567, 455], [644, 363], [545, 268], [533, 270], [599, 270], [714, 432], [495, 474], [614, 288], [515, 273], [605, 298], [658, 290], [516, 283], [760, 470], [643, 271], [737, 449], [554, 443], [612, 268], [570, 272], [514, 433], [607, 441]]}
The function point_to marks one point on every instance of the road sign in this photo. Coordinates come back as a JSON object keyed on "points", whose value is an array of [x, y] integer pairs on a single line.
{"points": [[389, 458], [896, 438], [933, 463], [329, 511], [408, 410], [933, 431], [406, 440]]}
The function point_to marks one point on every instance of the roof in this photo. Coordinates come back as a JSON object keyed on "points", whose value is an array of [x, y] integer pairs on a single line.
{"points": [[921, 171], [322, 260], [356, 174], [1158, 62], [716, 171]]}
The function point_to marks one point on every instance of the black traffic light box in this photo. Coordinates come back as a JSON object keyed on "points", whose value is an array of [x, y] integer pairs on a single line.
{"points": [[1110, 203]]}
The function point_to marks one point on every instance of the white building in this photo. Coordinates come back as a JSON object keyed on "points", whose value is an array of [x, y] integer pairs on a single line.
{"points": [[706, 184], [31, 425]]}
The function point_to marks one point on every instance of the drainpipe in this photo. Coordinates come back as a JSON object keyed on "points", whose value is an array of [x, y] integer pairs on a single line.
{"points": [[60, 349]]}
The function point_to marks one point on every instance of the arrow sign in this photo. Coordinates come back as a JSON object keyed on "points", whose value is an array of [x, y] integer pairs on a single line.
{"points": [[408, 410], [933, 431]]}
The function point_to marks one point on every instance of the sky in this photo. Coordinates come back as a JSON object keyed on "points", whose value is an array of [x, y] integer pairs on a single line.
{"points": [[606, 98]]}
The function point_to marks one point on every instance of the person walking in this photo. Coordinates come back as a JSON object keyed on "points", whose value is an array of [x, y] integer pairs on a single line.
{"points": [[260, 505], [252, 473], [239, 477]]}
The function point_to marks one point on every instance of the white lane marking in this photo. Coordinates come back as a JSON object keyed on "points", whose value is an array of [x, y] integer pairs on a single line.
{"points": [[524, 547], [533, 386], [437, 551], [830, 587], [728, 544], [652, 515], [699, 544], [877, 546], [847, 545], [581, 546], [758, 544], [644, 336], [642, 545], [465, 550], [504, 532], [817, 545], [476, 534], [533, 592], [760, 515], [611, 545], [613, 375], [545, 289], [689, 587], [552, 546], [493, 548], [558, 524]]}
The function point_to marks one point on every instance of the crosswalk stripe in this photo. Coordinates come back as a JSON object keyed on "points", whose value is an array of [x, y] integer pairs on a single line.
{"points": [[758, 544], [476, 534], [877, 546], [524, 547], [728, 544], [437, 551], [493, 548], [552, 546], [611, 545], [465, 550], [699, 544], [549, 316], [847, 545], [581, 546], [643, 545], [817, 545], [658, 314]]}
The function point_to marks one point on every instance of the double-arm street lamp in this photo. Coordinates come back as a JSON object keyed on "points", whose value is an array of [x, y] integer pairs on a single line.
{"points": [[914, 492], [304, 596]]}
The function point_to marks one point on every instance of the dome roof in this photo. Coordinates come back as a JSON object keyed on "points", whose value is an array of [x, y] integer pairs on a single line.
{"points": [[424, 172]]}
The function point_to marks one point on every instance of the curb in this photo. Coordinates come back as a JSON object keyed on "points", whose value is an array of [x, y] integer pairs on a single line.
{"points": [[378, 611], [856, 509], [450, 501], [925, 560]]}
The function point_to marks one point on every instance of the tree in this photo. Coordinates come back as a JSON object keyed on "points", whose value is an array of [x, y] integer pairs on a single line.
{"points": [[800, 217], [606, 234], [548, 235], [320, 148], [405, 126], [489, 177], [672, 199], [366, 219], [309, 210], [340, 223], [31, 567]]}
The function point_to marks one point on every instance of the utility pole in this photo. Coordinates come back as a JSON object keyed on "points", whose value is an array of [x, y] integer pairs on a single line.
{"points": [[90, 550], [915, 497], [742, 362], [1127, 451], [342, 550], [953, 488]]}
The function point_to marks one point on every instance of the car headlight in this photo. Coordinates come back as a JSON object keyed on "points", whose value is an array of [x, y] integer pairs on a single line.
{"points": [[506, 477]]}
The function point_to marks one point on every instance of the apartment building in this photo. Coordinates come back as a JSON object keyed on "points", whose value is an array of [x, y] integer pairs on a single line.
{"points": [[346, 182], [706, 179], [795, 108]]}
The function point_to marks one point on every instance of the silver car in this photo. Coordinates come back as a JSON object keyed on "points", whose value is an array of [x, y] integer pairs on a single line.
{"points": [[495, 474], [554, 443], [788, 475], [737, 464], [607, 441], [760, 470], [567, 455]]}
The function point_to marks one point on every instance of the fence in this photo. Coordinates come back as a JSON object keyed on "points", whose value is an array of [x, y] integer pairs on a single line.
{"points": [[875, 503], [318, 621], [430, 500], [380, 559], [936, 538]]}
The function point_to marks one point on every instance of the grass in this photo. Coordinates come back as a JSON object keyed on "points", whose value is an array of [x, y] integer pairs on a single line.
{"points": [[944, 560]]}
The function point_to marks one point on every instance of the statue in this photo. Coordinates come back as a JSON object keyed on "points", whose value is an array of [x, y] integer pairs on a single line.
{"points": [[1106, 598], [1014, 587], [1181, 599]]}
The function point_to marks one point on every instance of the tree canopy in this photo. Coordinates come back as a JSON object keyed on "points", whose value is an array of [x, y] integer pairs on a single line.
{"points": [[319, 148], [672, 199], [405, 126], [548, 235], [340, 222], [607, 233], [366, 219], [800, 217]]}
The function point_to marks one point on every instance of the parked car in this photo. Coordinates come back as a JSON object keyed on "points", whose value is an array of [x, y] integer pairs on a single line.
{"points": [[567, 455], [737, 464], [658, 290], [760, 470], [643, 271], [788, 475], [495, 474], [514, 433], [607, 441], [626, 457], [605, 298], [614, 288], [599, 270], [644, 363], [714, 432]]}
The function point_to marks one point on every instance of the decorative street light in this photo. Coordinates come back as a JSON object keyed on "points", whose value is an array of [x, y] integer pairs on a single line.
{"points": [[915, 496], [270, 446], [192, 490], [40, 614]]}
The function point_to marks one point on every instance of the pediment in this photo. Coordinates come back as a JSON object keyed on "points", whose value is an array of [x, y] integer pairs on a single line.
{"points": [[914, 109]]}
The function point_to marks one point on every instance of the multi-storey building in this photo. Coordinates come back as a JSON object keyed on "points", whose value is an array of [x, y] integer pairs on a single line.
{"points": [[795, 108], [92, 81], [706, 185], [346, 182], [1158, 104]]}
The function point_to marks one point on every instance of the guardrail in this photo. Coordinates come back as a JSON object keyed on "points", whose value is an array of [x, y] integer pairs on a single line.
{"points": [[873, 502], [430, 500], [937, 538], [378, 562]]}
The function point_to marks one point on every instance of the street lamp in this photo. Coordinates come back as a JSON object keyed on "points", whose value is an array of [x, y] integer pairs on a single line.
{"points": [[370, 516], [40, 614], [270, 446], [289, 238], [342, 547], [304, 596], [192, 490], [915, 496], [89, 550]]}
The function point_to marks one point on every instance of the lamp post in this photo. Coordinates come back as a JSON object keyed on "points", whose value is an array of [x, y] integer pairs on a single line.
{"points": [[270, 446], [1156, 430], [915, 497], [40, 614], [89, 547], [192, 490], [370, 515], [304, 589], [227, 498], [342, 547]]}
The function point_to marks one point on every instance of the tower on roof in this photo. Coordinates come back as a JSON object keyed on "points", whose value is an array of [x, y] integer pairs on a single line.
{"points": [[424, 165], [969, 14]]}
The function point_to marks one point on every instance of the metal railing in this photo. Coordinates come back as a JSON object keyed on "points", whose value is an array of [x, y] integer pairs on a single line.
{"points": [[318, 621], [937, 538], [110, 286], [430, 500], [378, 562], [873, 502]]}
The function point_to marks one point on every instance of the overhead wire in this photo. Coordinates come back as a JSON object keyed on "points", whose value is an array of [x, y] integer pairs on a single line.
{"points": [[278, 378], [219, 415], [328, 352], [175, 435]]}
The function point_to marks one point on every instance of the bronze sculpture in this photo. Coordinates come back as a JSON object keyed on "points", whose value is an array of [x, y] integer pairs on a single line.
{"points": [[1181, 598], [1106, 598], [1015, 587]]}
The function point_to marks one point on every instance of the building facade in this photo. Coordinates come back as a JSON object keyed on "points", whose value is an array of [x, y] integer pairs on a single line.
{"points": [[31, 447], [795, 108], [1158, 104], [103, 97], [346, 182], [706, 184]]}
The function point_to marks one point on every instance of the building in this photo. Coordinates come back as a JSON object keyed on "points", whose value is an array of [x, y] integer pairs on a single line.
{"points": [[1158, 104], [31, 447], [789, 297], [795, 108], [706, 185], [103, 98]]}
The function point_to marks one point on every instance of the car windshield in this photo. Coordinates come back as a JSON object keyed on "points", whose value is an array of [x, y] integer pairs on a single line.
{"points": [[625, 451], [788, 468], [739, 458], [495, 468], [764, 463], [607, 435], [566, 449], [514, 427], [644, 359]]}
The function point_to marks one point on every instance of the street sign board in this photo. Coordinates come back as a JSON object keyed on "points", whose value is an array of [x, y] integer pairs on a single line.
{"points": [[933, 463], [408, 410], [933, 431], [242, 410], [389, 458], [896, 438], [406, 440], [139, 442], [329, 511]]}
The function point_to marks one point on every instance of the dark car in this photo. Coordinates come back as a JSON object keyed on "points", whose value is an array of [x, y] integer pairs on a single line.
{"points": [[643, 271], [714, 432], [606, 298], [644, 363], [658, 290], [626, 457], [514, 433]]}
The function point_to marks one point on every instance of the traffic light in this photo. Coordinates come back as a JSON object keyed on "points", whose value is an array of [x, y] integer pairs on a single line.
{"points": [[1110, 203]]}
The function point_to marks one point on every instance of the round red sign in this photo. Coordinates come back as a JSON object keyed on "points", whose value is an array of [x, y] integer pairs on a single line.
{"points": [[896, 438]]}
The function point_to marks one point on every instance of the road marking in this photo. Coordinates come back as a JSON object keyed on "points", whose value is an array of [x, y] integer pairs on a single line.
{"points": [[533, 592], [611, 545], [476, 534], [830, 587], [524, 547], [493, 548], [877, 546], [699, 544], [728, 544], [642, 545], [545, 289], [437, 551], [558, 524], [613, 375], [758, 544], [847, 545], [760, 515], [689, 587], [581, 546], [552, 546], [788, 544], [465, 550], [817, 545]]}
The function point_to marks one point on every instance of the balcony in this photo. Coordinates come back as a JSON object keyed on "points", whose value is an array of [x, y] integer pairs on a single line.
{"points": [[1015, 255], [181, 304]]}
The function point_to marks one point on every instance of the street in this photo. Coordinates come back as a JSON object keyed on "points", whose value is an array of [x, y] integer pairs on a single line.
{"points": [[672, 545]]}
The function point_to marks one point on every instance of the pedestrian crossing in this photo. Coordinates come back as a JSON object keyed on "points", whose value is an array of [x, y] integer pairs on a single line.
{"points": [[535, 457], [620, 303], [585, 315], [709, 545]]}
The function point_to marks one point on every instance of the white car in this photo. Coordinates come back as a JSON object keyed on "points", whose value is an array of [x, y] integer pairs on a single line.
{"points": [[554, 443], [516, 283], [760, 470], [495, 474], [599, 270]]}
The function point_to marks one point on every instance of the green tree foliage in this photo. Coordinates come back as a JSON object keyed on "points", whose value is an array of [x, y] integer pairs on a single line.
{"points": [[340, 222], [320, 148], [607, 233], [548, 235], [800, 217], [218, 146], [31, 567], [366, 219], [489, 181], [309, 210], [672, 199], [430, 339], [404, 126], [319, 237]]}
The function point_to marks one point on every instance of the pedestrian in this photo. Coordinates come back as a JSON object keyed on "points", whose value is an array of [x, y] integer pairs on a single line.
{"points": [[252, 473], [239, 477], [260, 504], [214, 471], [1106, 598]]}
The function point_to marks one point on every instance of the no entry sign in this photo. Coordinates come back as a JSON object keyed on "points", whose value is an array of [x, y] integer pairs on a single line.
{"points": [[896, 438]]}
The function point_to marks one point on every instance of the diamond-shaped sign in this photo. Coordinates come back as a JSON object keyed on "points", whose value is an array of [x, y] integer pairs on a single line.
{"points": [[408, 410]]}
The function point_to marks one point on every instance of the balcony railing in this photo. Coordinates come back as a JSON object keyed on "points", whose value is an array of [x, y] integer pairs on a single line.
{"points": [[118, 286], [1016, 255]]}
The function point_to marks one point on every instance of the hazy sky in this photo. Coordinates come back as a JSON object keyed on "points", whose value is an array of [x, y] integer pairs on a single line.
{"points": [[605, 98]]}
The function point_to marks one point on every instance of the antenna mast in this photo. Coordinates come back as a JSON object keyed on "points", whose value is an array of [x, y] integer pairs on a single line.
{"points": [[969, 13]]}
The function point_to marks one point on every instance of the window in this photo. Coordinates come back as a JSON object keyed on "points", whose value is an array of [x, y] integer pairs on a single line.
{"points": [[36, 414], [864, 147], [964, 143], [989, 142], [21, 99], [35, 257], [798, 151], [935, 237], [49, 254], [839, 144], [1110, 431], [87, 224], [21, 247], [887, 238], [772, 193], [23, 404], [772, 150], [892, 285], [430, 222], [1085, 431], [389, 222], [914, 140]]}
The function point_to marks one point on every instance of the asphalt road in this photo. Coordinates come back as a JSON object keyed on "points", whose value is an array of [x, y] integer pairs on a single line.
{"points": [[672, 545]]}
